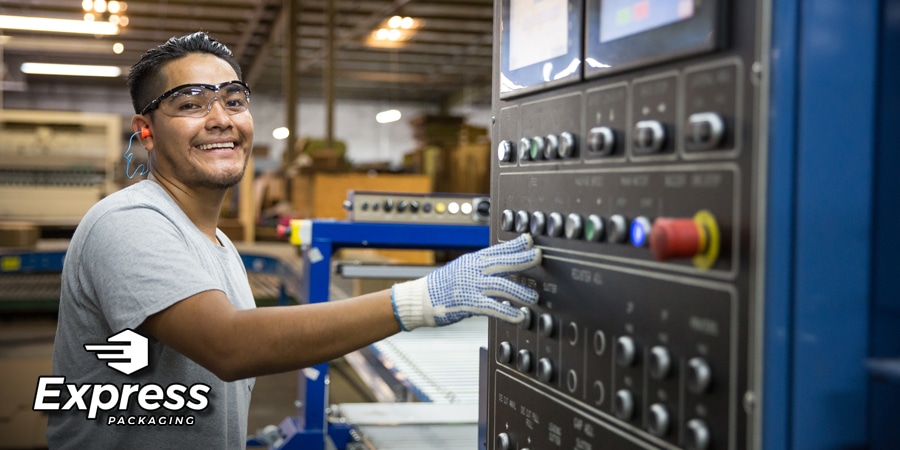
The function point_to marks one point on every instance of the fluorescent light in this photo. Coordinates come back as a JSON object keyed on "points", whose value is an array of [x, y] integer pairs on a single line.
{"points": [[281, 133], [71, 69], [56, 25], [391, 115]]}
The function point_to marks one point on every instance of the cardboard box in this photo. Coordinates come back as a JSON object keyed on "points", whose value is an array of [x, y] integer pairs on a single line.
{"points": [[20, 426]]}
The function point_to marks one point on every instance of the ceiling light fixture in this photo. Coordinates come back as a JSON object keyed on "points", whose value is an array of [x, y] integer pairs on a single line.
{"points": [[391, 115], [108, 11], [70, 70], [56, 25], [281, 133], [393, 32]]}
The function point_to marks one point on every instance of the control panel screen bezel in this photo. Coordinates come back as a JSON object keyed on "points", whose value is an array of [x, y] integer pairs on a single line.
{"points": [[561, 69], [701, 32]]}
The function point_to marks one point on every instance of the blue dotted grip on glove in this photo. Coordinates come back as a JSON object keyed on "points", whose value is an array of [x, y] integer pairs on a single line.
{"points": [[469, 285]]}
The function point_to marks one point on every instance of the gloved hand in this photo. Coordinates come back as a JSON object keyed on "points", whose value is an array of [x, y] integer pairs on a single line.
{"points": [[468, 286]]}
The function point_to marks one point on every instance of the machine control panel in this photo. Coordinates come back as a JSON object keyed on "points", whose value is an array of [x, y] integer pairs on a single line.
{"points": [[404, 207], [635, 177]]}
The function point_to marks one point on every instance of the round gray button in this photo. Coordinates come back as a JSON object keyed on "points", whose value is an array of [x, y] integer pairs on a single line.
{"points": [[523, 361], [660, 362], [658, 420], [522, 218], [528, 322], [551, 150], [538, 223], [626, 351], [699, 375], [505, 352], [617, 231], [574, 226], [524, 149], [536, 151], [503, 441], [545, 325], [568, 146], [507, 220], [555, 225], [545, 370], [697, 437], [505, 151], [623, 405]]}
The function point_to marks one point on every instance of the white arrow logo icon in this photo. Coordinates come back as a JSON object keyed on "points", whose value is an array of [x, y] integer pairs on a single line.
{"points": [[127, 357]]}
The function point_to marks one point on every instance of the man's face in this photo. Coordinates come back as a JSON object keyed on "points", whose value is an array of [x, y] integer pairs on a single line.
{"points": [[201, 152]]}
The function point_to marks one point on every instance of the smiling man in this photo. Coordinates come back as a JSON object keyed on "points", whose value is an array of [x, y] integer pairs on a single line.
{"points": [[149, 258]]}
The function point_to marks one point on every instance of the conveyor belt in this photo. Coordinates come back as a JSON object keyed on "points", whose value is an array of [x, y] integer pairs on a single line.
{"points": [[441, 364], [414, 426]]}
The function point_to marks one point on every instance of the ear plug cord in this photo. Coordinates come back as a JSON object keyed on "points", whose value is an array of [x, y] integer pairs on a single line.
{"points": [[129, 155]]}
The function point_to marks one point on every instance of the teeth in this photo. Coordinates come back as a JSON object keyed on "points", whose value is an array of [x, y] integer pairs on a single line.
{"points": [[218, 145]]}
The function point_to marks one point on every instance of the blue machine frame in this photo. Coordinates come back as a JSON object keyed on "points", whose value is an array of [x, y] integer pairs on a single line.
{"points": [[319, 240], [831, 260]]}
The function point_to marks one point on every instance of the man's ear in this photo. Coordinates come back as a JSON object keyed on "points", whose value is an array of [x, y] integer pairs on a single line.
{"points": [[140, 125]]}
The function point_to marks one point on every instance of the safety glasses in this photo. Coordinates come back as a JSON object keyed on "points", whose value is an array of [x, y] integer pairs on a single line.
{"points": [[196, 99]]}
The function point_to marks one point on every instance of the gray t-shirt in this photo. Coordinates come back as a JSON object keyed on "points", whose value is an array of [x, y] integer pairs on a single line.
{"points": [[134, 254]]}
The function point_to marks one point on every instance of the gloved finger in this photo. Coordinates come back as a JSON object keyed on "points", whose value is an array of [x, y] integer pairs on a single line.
{"points": [[509, 263], [502, 288], [523, 242], [492, 308]]}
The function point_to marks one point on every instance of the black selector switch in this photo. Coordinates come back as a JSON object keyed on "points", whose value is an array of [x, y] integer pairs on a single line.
{"points": [[704, 131], [649, 136], [602, 141]]}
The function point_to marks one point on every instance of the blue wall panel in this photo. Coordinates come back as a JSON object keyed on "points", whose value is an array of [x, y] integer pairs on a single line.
{"points": [[833, 229]]}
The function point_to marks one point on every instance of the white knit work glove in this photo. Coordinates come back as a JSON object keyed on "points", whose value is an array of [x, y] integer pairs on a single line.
{"points": [[469, 285]]}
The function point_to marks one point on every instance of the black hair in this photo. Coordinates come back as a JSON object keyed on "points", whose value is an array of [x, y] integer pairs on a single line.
{"points": [[144, 78]]}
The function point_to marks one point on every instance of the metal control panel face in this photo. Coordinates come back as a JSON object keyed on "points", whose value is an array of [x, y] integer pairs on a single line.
{"points": [[640, 185], [401, 207]]}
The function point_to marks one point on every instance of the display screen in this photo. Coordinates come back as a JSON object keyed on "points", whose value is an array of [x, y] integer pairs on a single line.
{"points": [[624, 34], [540, 44], [538, 31], [620, 18]]}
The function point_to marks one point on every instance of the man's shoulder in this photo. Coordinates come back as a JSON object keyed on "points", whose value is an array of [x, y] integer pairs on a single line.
{"points": [[144, 194], [134, 204]]}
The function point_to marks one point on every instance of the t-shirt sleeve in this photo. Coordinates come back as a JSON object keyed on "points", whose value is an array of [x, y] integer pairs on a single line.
{"points": [[138, 263]]}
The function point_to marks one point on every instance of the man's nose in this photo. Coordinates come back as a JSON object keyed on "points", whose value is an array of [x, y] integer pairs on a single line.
{"points": [[216, 101]]}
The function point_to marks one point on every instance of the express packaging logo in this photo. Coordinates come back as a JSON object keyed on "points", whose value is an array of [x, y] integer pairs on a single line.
{"points": [[125, 352]]}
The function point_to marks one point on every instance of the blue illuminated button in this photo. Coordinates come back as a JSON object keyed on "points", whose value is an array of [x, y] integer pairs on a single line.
{"points": [[640, 229]]}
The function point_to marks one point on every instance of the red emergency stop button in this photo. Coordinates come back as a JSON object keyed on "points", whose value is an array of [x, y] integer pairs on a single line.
{"points": [[696, 238], [676, 238]]}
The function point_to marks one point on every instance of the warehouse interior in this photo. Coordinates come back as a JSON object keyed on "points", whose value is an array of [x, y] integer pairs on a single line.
{"points": [[439, 81], [711, 203]]}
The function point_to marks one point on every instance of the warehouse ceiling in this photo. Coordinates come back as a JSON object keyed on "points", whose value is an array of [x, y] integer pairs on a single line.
{"points": [[446, 61]]}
